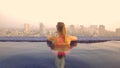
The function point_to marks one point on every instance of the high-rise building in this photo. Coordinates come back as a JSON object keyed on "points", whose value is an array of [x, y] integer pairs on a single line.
{"points": [[102, 30], [26, 28], [93, 30], [72, 29], [82, 30], [42, 29], [118, 31]]}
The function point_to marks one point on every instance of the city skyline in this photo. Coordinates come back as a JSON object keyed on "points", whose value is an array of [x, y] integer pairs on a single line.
{"points": [[79, 30], [77, 12], [32, 26]]}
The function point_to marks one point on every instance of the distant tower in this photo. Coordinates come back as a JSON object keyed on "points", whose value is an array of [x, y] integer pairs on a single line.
{"points": [[26, 28], [93, 30], [102, 30], [118, 31], [42, 29], [72, 29], [82, 30]]}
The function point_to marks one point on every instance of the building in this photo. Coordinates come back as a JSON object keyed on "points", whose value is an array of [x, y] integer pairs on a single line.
{"points": [[72, 30], [42, 29], [26, 28], [82, 30], [118, 31], [102, 30], [93, 30]]}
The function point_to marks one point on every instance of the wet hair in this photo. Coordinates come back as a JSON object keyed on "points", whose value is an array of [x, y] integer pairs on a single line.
{"points": [[62, 30]]}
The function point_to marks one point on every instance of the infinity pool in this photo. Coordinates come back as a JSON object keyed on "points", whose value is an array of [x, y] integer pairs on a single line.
{"points": [[39, 55]]}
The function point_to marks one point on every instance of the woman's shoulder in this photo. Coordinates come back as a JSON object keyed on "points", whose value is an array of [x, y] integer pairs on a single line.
{"points": [[72, 37], [50, 37]]}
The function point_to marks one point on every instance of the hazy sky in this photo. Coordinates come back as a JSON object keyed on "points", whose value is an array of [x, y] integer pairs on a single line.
{"points": [[77, 12]]}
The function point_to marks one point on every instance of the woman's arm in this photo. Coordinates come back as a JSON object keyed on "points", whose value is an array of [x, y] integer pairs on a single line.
{"points": [[50, 44], [73, 38], [73, 41], [50, 38]]}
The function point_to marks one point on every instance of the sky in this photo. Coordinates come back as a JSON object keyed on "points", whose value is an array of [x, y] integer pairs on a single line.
{"points": [[77, 12]]}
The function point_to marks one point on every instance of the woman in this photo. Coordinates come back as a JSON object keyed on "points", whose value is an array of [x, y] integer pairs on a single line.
{"points": [[61, 44]]}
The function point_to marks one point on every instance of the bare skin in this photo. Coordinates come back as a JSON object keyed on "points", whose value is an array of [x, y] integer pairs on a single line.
{"points": [[66, 44]]}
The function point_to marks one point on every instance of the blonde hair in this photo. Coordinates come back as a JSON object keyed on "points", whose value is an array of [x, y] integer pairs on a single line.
{"points": [[62, 30]]}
